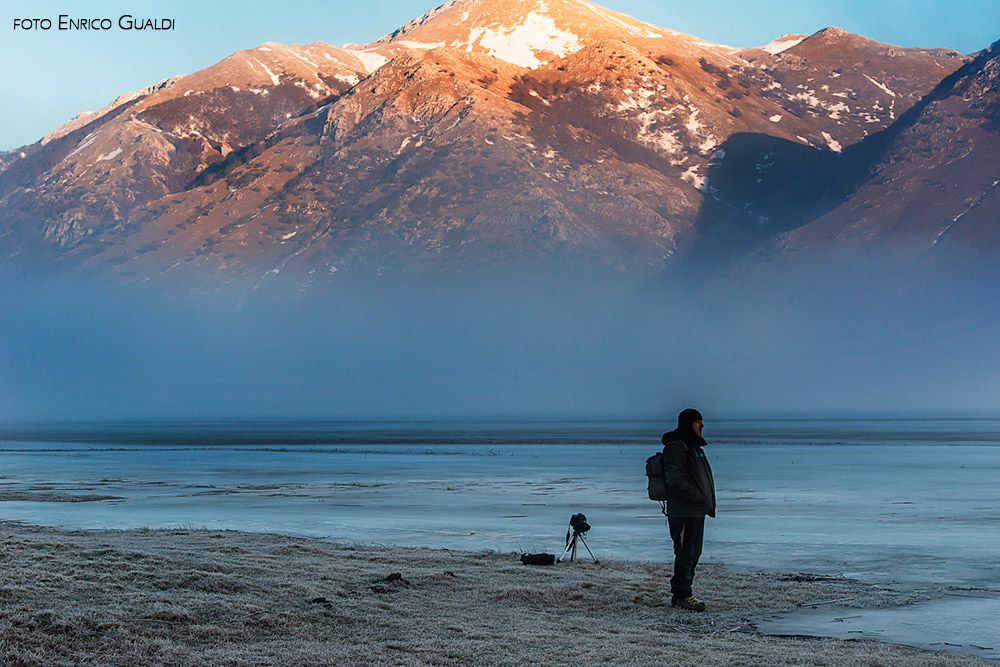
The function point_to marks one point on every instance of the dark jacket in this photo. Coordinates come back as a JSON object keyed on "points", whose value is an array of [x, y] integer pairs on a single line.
{"points": [[690, 487]]}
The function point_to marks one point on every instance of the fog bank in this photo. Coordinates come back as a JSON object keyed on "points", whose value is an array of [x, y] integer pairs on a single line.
{"points": [[844, 338]]}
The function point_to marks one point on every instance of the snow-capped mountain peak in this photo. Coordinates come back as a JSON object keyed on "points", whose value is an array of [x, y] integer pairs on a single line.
{"points": [[529, 33]]}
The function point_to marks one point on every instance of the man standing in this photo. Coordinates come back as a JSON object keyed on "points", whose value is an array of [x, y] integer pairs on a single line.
{"points": [[690, 497]]}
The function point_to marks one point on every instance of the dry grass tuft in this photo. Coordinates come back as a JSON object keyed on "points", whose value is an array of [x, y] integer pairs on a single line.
{"points": [[193, 597]]}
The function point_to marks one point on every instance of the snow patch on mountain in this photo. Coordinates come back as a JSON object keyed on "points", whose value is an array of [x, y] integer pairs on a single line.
{"points": [[274, 77], [718, 47], [110, 156], [630, 102], [521, 44], [884, 88], [295, 53], [87, 140], [634, 29], [419, 45], [832, 143], [693, 125], [314, 91], [783, 43], [694, 178], [370, 60], [835, 110], [809, 97], [661, 140]]}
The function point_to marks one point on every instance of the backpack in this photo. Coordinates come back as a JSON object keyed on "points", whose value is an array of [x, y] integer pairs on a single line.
{"points": [[656, 484]]}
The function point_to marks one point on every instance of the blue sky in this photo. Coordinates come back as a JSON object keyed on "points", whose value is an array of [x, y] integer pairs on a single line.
{"points": [[49, 76]]}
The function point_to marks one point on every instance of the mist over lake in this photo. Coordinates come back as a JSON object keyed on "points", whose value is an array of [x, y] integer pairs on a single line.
{"points": [[844, 338]]}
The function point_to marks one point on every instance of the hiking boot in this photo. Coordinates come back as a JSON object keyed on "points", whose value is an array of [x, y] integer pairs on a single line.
{"points": [[690, 603]]}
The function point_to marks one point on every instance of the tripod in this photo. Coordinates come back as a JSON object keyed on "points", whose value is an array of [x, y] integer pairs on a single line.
{"points": [[571, 546]]}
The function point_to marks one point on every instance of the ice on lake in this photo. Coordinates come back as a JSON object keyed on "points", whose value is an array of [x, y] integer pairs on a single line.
{"points": [[956, 623]]}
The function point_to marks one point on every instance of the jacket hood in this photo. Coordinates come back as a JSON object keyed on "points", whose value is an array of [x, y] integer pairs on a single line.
{"points": [[686, 435]]}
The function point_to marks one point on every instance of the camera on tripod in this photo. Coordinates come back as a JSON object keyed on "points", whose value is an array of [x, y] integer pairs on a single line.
{"points": [[577, 527], [578, 522]]}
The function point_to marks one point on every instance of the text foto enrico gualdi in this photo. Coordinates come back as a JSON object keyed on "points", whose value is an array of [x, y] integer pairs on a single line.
{"points": [[67, 22]]}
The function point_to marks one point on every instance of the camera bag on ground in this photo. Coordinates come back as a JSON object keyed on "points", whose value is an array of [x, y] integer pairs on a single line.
{"points": [[538, 559]]}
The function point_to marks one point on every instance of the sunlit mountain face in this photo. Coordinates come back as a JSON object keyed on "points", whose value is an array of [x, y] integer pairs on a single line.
{"points": [[484, 133]]}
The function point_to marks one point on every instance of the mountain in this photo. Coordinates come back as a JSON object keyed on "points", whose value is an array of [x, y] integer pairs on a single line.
{"points": [[88, 175], [931, 179], [859, 84], [481, 132]]}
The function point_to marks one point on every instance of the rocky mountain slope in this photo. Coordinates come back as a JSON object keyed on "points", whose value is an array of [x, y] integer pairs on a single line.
{"points": [[931, 180], [478, 133], [924, 184]]}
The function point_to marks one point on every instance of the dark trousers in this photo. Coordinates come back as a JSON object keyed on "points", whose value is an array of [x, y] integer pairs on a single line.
{"points": [[688, 533]]}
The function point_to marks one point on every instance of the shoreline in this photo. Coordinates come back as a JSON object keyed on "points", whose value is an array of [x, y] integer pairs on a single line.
{"points": [[215, 597]]}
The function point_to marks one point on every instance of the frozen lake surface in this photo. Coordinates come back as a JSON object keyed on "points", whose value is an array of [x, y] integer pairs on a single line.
{"points": [[912, 503], [956, 623]]}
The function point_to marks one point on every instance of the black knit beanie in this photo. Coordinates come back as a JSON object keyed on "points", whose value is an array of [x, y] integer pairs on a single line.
{"points": [[688, 417]]}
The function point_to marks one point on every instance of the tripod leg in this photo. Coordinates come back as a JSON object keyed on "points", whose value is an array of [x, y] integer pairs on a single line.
{"points": [[571, 545], [588, 549]]}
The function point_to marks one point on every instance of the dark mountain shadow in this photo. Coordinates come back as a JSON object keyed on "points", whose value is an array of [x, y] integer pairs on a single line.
{"points": [[764, 186]]}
